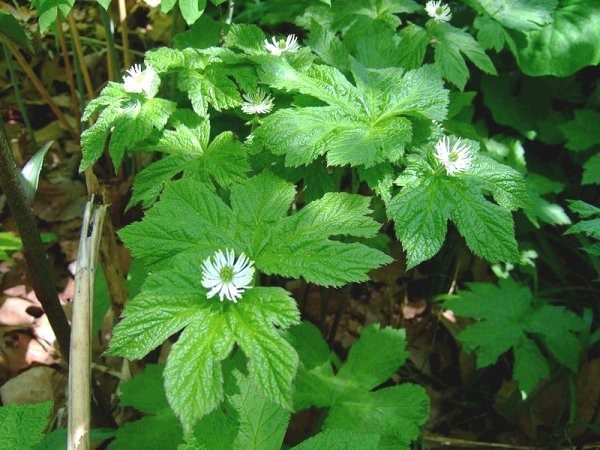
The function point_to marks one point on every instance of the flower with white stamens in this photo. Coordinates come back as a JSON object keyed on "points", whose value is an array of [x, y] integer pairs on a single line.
{"points": [[456, 159], [223, 275], [139, 81], [279, 47], [258, 102], [438, 11]]}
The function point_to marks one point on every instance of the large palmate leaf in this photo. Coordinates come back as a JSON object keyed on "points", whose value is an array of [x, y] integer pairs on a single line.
{"points": [[175, 300], [223, 161], [450, 44], [507, 320], [521, 15], [127, 118], [566, 44], [430, 198], [361, 125], [394, 413], [188, 224], [191, 222], [22, 426]]}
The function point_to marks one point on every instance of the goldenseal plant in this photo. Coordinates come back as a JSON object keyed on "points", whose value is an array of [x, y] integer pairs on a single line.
{"points": [[305, 157], [181, 240]]}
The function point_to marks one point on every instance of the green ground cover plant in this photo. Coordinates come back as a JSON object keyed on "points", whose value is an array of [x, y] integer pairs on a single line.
{"points": [[315, 143]]}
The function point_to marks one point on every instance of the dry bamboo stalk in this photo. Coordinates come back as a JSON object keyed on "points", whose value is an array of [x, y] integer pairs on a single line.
{"points": [[87, 80], [79, 404], [124, 33], [40, 87], [69, 71]]}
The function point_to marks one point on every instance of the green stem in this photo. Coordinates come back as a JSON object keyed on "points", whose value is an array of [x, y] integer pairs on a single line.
{"points": [[19, 97], [110, 43], [40, 273], [79, 81], [338, 313]]}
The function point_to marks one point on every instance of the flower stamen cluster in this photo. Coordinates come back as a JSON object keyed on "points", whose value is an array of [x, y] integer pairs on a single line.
{"points": [[456, 159], [139, 81], [225, 276], [438, 11], [258, 102], [279, 47]]}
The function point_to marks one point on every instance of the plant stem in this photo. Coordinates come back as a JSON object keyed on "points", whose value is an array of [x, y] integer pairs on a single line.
{"points": [[230, 8], [78, 437], [338, 314], [41, 89], [76, 104], [114, 67], [19, 97], [87, 80], [40, 273], [109, 254], [124, 32]]}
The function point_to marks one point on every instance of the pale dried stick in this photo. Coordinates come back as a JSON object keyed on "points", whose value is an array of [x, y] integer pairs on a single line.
{"points": [[79, 404]]}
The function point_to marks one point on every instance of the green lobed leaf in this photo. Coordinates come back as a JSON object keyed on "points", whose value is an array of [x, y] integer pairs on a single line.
{"points": [[582, 131], [49, 9], [191, 10], [361, 126], [174, 299], [430, 198], [262, 423], [295, 246], [22, 426], [156, 432], [563, 46], [248, 38], [394, 413], [450, 46], [340, 439], [193, 376], [374, 357], [148, 321], [490, 33], [145, 391], [507, 319], [591, 170], [521, 15], [531, 366], [210, 87]]}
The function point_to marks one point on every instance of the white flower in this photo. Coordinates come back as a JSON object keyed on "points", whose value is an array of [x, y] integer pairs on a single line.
{"points": [[258, 102], [456, 159], [225, 276], [438, 11], [138, 80], [279, 47]]}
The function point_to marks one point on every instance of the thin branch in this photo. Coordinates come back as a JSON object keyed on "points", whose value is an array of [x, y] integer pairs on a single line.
{"points": [[114, 69], [17, 89], [87, 80], [40, 273], [79, 405], [40, 88], [69, 71], [124, 32], [230, 8], [464, 443]]}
